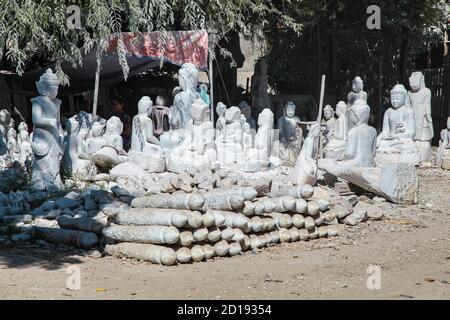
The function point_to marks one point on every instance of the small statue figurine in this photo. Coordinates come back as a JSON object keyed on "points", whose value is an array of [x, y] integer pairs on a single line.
{"points": [[338, 140], [48, 135], [247, 137], [357, 92], [160, 116], [246, 110], [330, 122], [395, 142], [12, 145], [290, 134], [203, 93], [443, 154], [221, 122], [94, 143], [24, 142], [420, 99]]}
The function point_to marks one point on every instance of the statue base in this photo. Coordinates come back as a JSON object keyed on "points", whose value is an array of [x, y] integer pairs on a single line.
{"points": [[424, 148], [148, 162], [391, 158]]}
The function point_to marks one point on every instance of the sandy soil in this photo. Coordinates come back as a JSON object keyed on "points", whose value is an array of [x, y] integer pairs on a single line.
{"points": [[411, 245]]}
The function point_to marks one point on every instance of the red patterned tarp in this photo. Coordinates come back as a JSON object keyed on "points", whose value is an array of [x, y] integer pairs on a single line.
{"points": [[176, 47]]}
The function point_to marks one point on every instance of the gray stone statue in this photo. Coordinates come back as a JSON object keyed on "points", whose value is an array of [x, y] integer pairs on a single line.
{"points": [[395, 142], [290, 134], [337, 142], [48, 135], [357, 92], [420, 99]]}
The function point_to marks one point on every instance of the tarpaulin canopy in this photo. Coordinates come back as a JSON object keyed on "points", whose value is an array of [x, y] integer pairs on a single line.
{"points": [[144, 51]]}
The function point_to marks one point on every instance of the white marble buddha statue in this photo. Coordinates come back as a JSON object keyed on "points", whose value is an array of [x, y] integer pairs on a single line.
{"points": [[443, 154], [72, 165], [94, 143], [197, 149], [12, 145], [395, 142], [142, 138], [337, 142], [258, 157], [112, 153], [419, 97], [229, 141], [305, 169], [145, 147]]}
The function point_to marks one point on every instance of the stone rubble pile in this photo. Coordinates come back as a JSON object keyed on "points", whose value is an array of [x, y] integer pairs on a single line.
{"points": [[186, 217]]}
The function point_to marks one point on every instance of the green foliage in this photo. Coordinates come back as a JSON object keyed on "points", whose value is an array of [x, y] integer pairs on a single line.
{"points": [[36, 30]]}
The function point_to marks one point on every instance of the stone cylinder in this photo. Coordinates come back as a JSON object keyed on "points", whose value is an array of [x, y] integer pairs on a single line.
{"points": [[82, 239], [234, 249], [309, 223], [313, 208], [285, 235], [227, 234], [184, 255], [214, 235], [194, 219], [186, 239], [197, 253], [200, 234], [304, 234], [170, 201], [306, 191], [301, 206], [152, 216], [294, 234], [221, 248], [298, 221], [143, 234], [146, 252], [247, 193], [83, 224], [257, 224], [218, 202], [209, 251]]}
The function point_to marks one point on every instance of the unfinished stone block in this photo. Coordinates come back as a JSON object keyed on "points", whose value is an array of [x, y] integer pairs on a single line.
{"points": [[83, 224], [85, 240]]}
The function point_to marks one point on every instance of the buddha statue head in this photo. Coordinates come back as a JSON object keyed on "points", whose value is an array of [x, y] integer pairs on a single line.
{"points": [[114, 127], [289, 109], [328, 112], [220, 109], [341, 108], [359, 112], [233, 115], [188, 77], [357, 84], [199, 111], [23, 127], [160, 101], [145, 106], [416, 81], [48, 84], [398, 96], [245, 108], [97, 129], [265, 118]]}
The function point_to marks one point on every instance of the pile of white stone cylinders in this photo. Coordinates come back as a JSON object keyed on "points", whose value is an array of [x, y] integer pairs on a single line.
{"points": [[181, 227]]}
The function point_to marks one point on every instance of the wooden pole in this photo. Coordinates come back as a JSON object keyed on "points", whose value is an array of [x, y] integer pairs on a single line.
{"points": [[97, 80], [211, 87], [319, 115]]}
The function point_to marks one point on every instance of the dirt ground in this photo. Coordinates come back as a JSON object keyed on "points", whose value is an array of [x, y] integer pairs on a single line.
{"points": [[411, 245]]}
